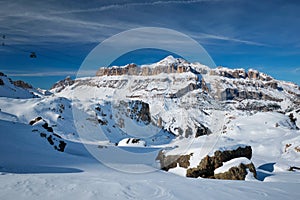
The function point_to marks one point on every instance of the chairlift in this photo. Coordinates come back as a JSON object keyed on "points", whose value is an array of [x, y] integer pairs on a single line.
{"points": [[32, 55], [3, 37]]}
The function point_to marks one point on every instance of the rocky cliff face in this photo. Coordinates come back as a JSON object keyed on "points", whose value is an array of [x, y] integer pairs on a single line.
{"points": [[179, 66], [22, 84], [245, 90], [240, 73], [239, 84]]}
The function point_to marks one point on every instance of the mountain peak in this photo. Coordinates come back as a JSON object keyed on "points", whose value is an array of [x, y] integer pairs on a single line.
{"points": [[169, 59]]}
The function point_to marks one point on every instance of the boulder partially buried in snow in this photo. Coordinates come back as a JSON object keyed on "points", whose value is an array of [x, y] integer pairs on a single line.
{"points": [[231, 163], [236, 169], [208, 165]]}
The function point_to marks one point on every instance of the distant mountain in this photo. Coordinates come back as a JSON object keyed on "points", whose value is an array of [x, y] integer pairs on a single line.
{"points": [[246, 90], [18, 89], [186, 101]]}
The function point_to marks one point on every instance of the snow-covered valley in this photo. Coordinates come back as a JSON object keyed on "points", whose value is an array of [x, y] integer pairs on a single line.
{"points": [[168, 130]]}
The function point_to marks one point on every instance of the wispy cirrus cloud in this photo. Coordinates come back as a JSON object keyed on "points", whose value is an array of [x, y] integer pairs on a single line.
{"points": [[82, 25], [203, 36], [39, 74], [297, 70], [124, 5], [49, 73]]}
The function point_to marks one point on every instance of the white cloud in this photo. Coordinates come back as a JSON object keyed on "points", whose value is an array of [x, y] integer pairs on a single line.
{"points": [[40, 74], [49, 73], [88, 26], [225, 38], [117, 6], [297, 70]]}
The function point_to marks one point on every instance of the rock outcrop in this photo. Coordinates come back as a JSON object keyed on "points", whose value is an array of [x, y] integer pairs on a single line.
{"points": [[208, 164], [16, 89], [240, 74], [237, 172], [136, 110], [18, 83], [22, 84], [47, 132], [236, 94], [139, 111], [239, 84], [202, 130], [60, 85]]}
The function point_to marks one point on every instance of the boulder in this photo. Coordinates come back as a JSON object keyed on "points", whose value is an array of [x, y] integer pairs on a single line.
{"points": [[202, 130], [208, 164], [237, 173], [32, 122]]}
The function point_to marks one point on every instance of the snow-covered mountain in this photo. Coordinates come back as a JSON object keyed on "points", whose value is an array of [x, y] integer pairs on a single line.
{"points": [[16, 89], [181, 117]]}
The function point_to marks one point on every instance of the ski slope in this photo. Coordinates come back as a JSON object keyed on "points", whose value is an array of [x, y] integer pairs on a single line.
{"points": [[30, 169]]}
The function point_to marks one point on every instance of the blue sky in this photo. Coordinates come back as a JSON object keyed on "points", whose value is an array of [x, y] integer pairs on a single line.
{"points": [[236, 33]]}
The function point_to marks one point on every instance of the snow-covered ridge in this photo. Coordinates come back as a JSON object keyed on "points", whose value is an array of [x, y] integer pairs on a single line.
{"points": [[17, 89], [179, 65], [167, 65], [173, 77]]}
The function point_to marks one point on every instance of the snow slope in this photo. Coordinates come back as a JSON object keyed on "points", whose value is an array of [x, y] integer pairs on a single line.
{"points": [[32, 170]]}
